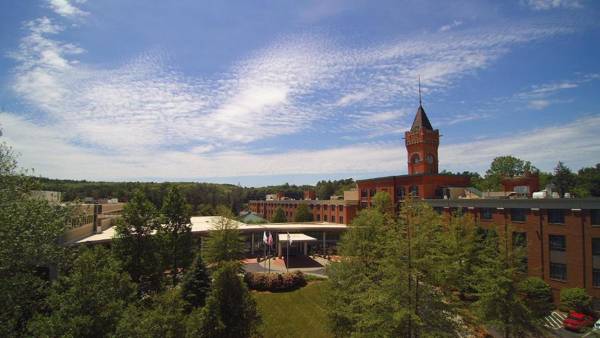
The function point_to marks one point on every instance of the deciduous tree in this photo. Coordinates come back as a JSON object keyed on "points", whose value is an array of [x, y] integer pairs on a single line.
{"points": [[224, 243], [88, 300]]}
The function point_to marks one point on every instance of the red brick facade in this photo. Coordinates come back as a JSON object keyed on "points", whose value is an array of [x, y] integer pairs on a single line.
{"points": [[576, 222], [333, 211]]}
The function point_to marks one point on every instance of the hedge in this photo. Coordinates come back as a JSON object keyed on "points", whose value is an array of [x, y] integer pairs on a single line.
{"points": [[274, 281]]}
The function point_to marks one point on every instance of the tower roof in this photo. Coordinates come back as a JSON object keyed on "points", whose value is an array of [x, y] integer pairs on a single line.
{"points": [[421, 121]]}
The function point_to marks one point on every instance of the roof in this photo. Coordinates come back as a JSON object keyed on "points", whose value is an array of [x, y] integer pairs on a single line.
{"points": [[296, 238], [421, 121], [204, 224], [530, 203]]}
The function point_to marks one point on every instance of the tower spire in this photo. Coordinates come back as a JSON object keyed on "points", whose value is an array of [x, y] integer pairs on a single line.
{"points": [[420, 102]]}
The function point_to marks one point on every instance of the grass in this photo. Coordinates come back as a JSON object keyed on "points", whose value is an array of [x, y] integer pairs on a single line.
{"points": [[298, 313]]}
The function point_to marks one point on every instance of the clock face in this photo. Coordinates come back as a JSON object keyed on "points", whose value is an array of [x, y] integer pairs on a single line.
{"points": [[429, 159]]}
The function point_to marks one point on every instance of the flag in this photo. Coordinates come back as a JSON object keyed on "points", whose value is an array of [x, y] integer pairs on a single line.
{"points": [[270, 239], [265, 240], [289, 239]]}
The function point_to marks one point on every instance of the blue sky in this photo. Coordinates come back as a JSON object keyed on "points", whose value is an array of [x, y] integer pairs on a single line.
{"points": [[267, 92]]}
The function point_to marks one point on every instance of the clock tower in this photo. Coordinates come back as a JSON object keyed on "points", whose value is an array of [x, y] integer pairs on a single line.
{"points": [[422, 143]]}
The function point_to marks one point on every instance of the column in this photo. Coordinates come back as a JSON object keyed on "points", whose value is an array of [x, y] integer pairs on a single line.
{"points": [[252, 247], [305, 248]]}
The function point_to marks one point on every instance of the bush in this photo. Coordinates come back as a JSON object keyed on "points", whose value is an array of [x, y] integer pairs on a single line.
{"points": [[575, 299], [537, 295], [274, 281]]}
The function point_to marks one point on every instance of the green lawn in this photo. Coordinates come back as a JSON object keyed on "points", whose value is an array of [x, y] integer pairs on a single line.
{"points": [[299, 313]]}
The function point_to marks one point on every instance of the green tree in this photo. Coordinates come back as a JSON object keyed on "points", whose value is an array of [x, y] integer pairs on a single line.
{"points": [[89, 300], [575, 299], [538, 296], [135, 245], [382, 201], [30, 236], [563, 179], [279, 216], [162, 315], [588, 182], [230, 310], [196, 284], [303, 213], [459, 243], [388, 283], [224, 243], [498, 279], [505, 166], [176, 232]]}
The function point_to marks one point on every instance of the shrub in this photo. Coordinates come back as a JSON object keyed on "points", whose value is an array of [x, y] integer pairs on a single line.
{"points": [[274, 281], [537, 295], [575, 299]]}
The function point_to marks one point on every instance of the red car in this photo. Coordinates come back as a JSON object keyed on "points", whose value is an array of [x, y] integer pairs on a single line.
{"points": [[577, 321]]}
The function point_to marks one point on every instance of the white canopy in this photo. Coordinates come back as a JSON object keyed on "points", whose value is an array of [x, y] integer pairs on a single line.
{"points": [[296, 238]]}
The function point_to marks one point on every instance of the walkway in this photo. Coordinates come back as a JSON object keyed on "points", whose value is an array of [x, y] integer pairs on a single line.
{"points": [[307, 264]]}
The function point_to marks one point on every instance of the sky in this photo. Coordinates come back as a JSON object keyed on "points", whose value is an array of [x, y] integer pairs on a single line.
{"points": [[268, 92]]}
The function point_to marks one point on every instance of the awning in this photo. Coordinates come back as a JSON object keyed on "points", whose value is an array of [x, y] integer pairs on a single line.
{"points": [[296, 238]]}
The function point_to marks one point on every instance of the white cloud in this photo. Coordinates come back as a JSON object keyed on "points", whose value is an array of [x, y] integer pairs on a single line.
{"points": [[538, 104], [551, 4], [49, 150], [141, 110], [66, 9], [450, 26]]}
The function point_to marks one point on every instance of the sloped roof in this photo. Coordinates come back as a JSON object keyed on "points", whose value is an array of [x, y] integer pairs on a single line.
{"points": [[421, 121]]}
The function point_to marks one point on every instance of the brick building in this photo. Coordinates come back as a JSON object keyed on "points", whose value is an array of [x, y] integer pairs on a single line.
{"points": [[562, 235], [332, 211]]}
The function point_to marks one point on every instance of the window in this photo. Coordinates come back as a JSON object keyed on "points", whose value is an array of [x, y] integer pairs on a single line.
{"points": [[400, 192], [595, 262], [333, 219], [372, 192], [414, 191], [318, 218], [325, 218], [415, 159], [556, 216], [520, 241], [341, 208], [486, 213], [595, 215], [557, 243], [596, 277], [363, 205], [518, 215], [558, 271], [341, 219]]}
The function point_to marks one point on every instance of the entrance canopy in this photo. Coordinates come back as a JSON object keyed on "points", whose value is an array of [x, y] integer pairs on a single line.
{"points": [[296, 238]]}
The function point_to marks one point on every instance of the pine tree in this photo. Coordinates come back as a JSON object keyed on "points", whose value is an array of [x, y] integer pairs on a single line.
{"points": [[303, 213], [500, 304], [196, 284], [135, 245], [279, 216], [175, 234], [230, 310], [563, 179]]}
